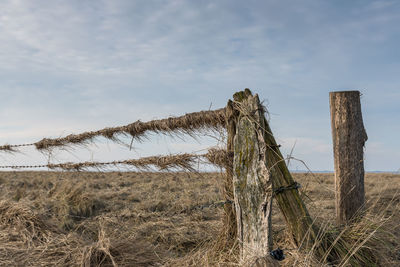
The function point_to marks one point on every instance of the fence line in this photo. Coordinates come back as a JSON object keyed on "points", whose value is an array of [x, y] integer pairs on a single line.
{"points": [[256, 173], [11, 148], [186, 124], [186, 161]]}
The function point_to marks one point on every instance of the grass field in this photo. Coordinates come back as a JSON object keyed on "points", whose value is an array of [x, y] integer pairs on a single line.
{"points": [[156, 219]]}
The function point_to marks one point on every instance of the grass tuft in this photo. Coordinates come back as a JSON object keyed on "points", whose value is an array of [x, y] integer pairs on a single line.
{"points": [[164, 219]]}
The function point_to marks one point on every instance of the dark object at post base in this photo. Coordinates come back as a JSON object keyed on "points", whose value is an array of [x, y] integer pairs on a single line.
{"points": [[277, 254]]}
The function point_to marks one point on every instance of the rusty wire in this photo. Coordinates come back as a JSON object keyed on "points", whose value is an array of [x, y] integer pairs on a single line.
{"points": [[186, 161], [11, 148], [186, 124]]}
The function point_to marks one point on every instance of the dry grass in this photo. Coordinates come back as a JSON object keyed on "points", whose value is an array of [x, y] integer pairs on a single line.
{"points": [[7, 148], [174, 162], [162, 163], [154, 219], [182, 162], [186, 124]]}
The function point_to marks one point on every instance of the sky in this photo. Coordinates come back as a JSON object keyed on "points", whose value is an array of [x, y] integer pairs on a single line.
{"points": [[73, 66]]}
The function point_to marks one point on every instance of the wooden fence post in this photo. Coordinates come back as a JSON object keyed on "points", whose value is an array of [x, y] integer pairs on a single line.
{"points": [[349, 137], [260, 173], [230, 216], [252, 186]]}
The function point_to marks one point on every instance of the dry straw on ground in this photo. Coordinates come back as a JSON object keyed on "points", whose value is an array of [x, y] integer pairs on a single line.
{"points": [[28, 240], [151, 219]]}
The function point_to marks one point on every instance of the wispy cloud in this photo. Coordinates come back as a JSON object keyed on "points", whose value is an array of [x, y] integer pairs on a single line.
{"points": [[77, 65]]}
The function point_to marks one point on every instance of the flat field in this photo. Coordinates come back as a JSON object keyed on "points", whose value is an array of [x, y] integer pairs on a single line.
{"points": [[156, 219]]}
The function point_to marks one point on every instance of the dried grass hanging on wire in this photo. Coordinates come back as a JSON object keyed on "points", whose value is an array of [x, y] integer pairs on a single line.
{"points": [[186, 124], [219, 157], [161, 163], [7, 148], [188, 162], [13, 148]]}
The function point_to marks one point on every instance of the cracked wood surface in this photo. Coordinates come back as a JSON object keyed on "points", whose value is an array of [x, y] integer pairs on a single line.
{"points": [[349, 137], [258, 168], [251, 182]]}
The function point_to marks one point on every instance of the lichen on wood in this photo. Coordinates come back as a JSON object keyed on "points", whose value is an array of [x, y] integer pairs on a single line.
{"points": [[251, 181], [259, 168]]}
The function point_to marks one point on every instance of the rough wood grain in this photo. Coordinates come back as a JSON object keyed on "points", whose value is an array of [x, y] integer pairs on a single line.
{"points": [[349, 137], [251, 180], [303, 231], [229, 210], [259, 169]]}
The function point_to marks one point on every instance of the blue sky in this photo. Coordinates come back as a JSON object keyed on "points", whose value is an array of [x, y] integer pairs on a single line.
{"points": [[71, 66]]}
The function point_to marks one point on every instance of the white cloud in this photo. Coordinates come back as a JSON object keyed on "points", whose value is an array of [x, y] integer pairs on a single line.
{"points": [[68, 66]]}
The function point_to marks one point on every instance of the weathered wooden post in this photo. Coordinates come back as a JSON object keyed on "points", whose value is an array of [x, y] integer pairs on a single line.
{"points": [[349, 138], [252, 186], [230, 228], [259, 174]]}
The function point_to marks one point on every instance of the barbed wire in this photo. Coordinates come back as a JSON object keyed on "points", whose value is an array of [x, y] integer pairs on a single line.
{"points": [[281, 189], [11, 148], [23, 166], [186, 161], [186, 124]]}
